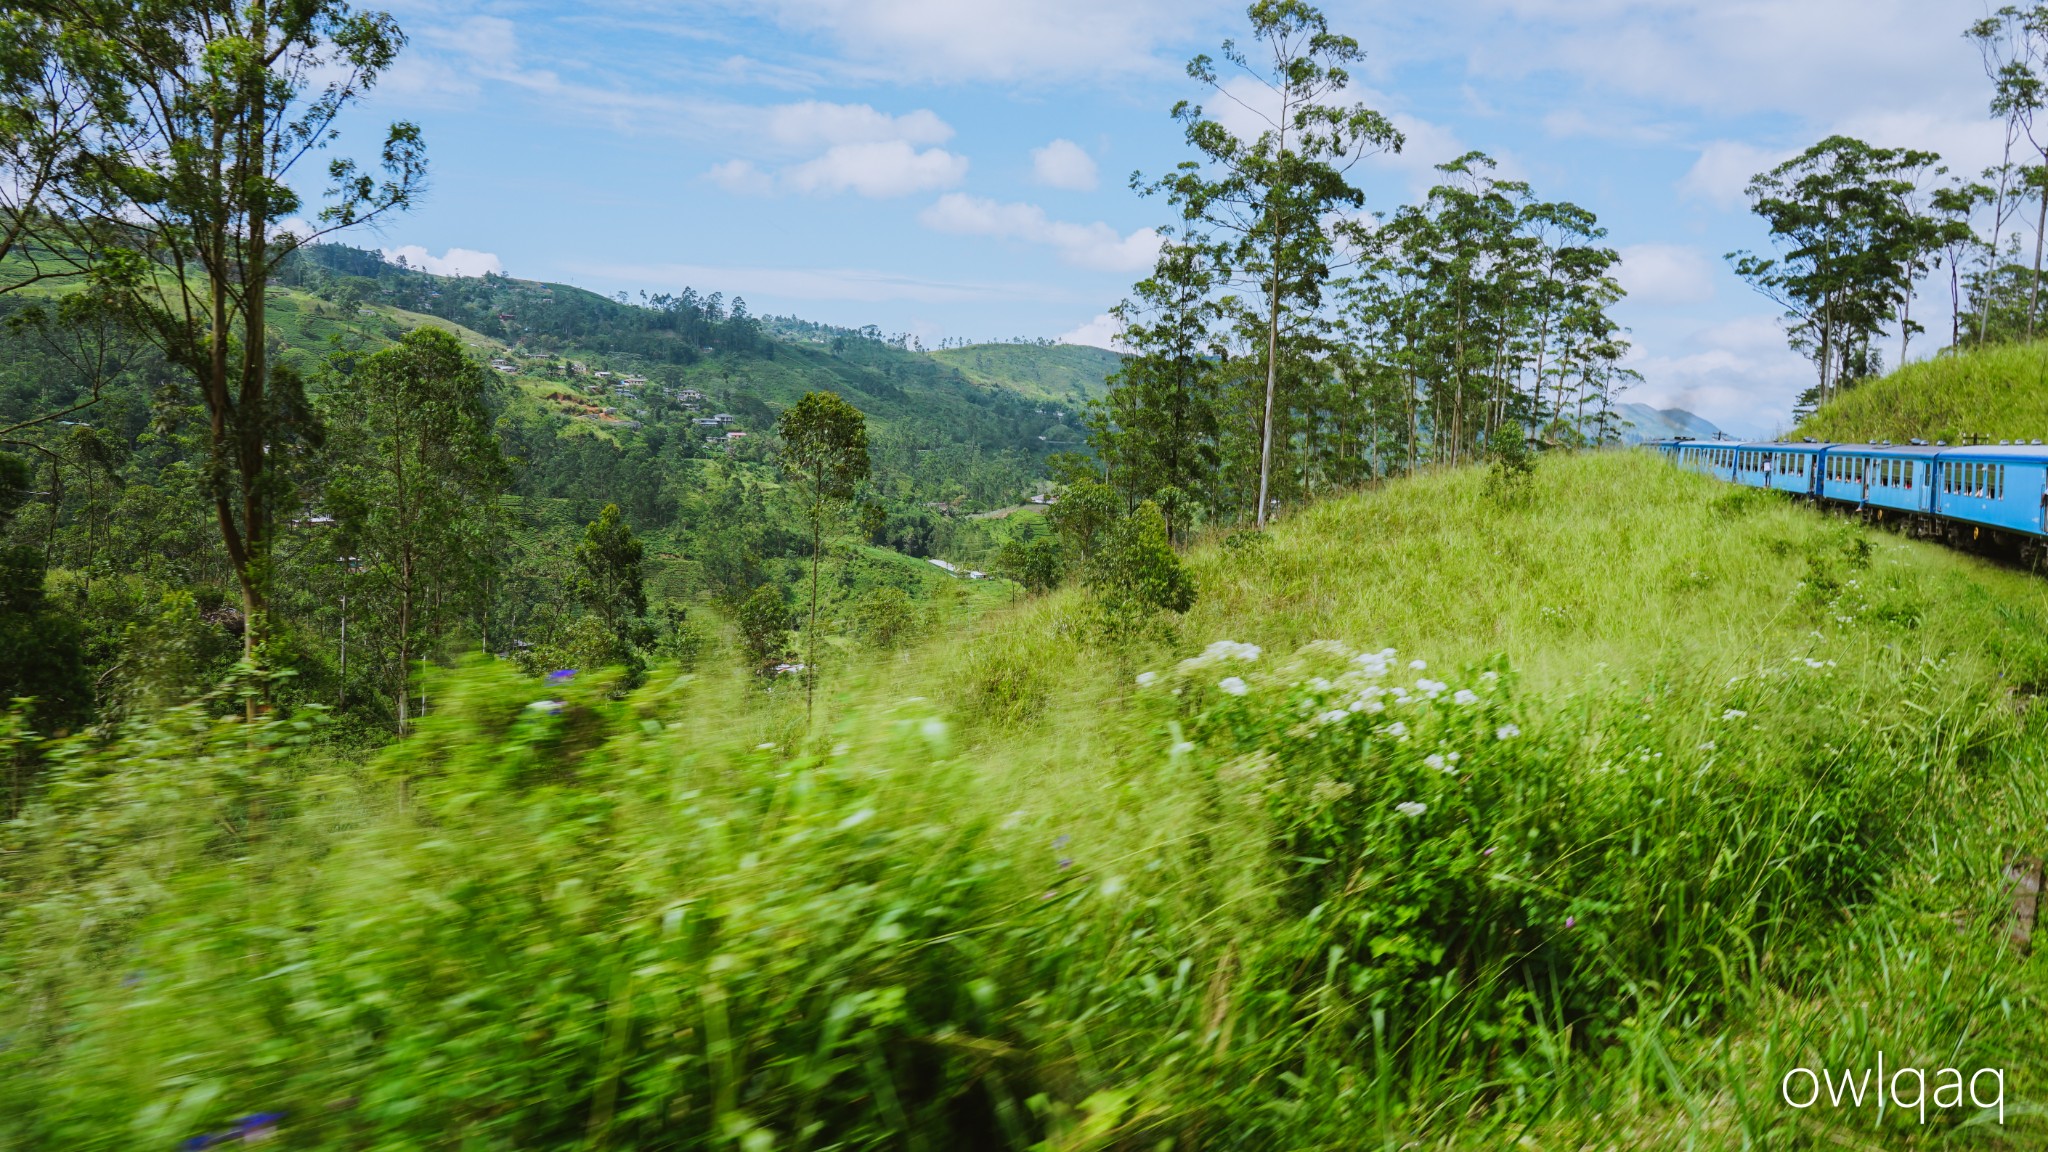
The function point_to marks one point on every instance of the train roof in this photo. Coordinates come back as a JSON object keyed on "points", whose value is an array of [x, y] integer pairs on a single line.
{"points": [[2029, 453]]}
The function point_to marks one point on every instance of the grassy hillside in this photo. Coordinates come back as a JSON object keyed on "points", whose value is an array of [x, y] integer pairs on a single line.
{"points": [[1995, 393], [1069, 374], [1684, 787]]}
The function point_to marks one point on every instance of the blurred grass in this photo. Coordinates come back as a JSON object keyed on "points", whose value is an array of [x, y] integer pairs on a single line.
{"points": [[1006, 898]]}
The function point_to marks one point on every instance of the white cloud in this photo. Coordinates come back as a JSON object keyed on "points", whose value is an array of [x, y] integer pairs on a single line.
{"points": [[1740, 375], [1820, 59], [1724, 170], [996, 40], [1096, 246], [1105, 331], [1667, 274], [454, 262], [880, 170], [741, 178], [1064, 164], [867, 152], [816, 123]]}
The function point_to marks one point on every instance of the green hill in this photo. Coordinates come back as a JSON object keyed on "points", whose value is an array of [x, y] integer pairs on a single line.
{"points": [[1994, 393], [1069, 374], [1664, 789], [750, 365]]}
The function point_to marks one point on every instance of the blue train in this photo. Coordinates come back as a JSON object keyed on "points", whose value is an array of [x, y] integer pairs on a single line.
{"points": [[1993, 495]]}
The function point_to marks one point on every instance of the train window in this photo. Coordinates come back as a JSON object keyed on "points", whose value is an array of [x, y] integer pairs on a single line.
{"points": [[1998, 484]]}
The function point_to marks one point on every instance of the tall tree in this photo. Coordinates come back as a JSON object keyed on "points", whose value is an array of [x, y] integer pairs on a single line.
{"points": [[608, 578], [2009, 42], [54, 90], [1278, 199], [1848, 245], [417, 477], [179, 204], [825, 449], [1157, 428]]}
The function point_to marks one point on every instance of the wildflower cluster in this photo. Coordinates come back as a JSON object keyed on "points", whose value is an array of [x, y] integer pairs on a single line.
{"points": [[1384, 786]]}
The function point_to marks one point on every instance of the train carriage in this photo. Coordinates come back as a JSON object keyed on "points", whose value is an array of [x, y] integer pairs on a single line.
{"points": [[1995, 486], [1964, 491], [1882, 476], [1795, 468]]}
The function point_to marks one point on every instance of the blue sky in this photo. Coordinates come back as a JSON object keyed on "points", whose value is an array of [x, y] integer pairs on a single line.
{"points": [[959, 168]]}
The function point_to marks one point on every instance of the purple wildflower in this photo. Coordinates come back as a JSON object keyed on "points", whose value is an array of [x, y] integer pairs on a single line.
{"points": [[1065, 863], [1571, 921], [561, 675]]}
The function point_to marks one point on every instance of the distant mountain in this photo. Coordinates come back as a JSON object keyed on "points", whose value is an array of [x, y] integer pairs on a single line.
{"points": [[1069, 374], [1661, 424]]}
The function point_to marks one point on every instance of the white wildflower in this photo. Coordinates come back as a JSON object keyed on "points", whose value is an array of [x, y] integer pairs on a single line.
{"points": [[1707, 747], [1397, 730], [1436, 761], [1435, 688], [1466, 696], [1418, 665], [1181, 749], [1334, 716], [1326, 791], [1147, 679], [1733, 714], [1454, 757], [764, 747], [1506, 732], [1233, 685], [1489, 677], [1231, 650], [1320, 685], [1411, 809]]}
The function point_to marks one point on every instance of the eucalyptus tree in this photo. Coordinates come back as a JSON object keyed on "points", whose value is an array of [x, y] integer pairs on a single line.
{"points": [[2009, 43], [2013, 42], [56, 95], [1157, 430], [1847, 243], [1954, 210], [180, 202], [416, 478], [825, 449], [1276, 200]]}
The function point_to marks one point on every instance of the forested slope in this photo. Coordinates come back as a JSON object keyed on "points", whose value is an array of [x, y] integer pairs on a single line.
{"points": [[664, 408]]}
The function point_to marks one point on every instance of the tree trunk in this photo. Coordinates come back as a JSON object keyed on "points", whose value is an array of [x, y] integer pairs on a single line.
{"points": [[404, 638], [1272, 381], [811, 634], [2040, 235]]}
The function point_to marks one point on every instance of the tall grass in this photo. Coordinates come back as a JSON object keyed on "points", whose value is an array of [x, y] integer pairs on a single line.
{"points": [[1995, 393], [1727, 776]]}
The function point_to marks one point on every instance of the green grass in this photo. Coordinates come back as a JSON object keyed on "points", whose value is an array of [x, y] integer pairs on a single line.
{"points": [[1062, 373], [1994, 393], [1005, 897]]}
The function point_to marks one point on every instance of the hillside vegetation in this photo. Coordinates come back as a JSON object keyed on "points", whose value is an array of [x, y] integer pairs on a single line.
{"points": [[1999, 392], [1470, 833], [1070, 374]]}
